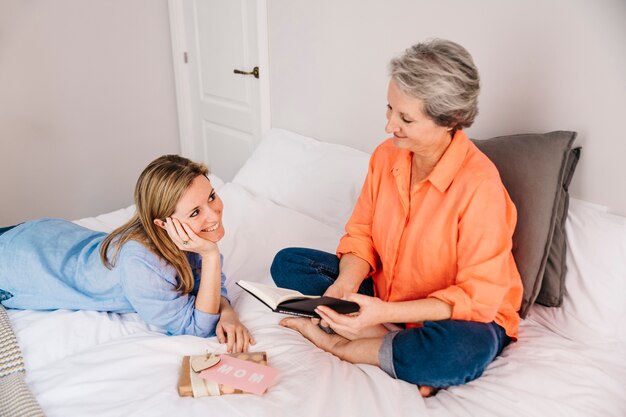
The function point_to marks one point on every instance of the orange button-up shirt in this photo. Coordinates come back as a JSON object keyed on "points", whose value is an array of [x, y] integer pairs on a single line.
{"points": [[450, 237]]}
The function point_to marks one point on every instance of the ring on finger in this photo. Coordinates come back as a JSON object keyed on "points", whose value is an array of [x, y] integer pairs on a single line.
{"points": [[185, 242]]}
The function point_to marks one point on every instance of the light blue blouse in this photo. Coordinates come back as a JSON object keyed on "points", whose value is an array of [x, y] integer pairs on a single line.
{"points": [[53, 264]]}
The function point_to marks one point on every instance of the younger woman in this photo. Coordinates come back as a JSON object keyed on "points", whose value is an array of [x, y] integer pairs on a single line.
{"points": [[164, 263]]}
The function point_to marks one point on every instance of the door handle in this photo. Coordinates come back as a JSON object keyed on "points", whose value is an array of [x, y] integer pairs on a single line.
{"points": [[255, 72]]}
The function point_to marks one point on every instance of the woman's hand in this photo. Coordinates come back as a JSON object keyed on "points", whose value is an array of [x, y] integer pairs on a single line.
{"points": [[186, 239], [231, 331], [339, 290], [352, 271], [366, 323]]}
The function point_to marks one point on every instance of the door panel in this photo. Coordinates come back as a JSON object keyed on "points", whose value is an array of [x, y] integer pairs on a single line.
{"points": [[220, 36], [225, 141]]}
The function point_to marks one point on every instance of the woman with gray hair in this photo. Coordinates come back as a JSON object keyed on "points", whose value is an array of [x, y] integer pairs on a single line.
{"points": [[427, 250]]}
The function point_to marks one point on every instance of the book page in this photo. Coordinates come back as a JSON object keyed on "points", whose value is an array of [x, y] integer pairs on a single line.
{"points": [[272, 295]]}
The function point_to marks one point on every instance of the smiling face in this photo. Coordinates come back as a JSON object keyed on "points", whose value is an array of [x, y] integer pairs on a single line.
{"points": [[201, 208], [411, 128]]}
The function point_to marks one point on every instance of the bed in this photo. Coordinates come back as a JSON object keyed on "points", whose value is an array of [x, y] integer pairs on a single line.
{"points": [[297, 191]]}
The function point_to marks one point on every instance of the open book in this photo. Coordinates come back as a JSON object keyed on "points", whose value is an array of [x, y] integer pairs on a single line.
{"points": [[283, 300]]}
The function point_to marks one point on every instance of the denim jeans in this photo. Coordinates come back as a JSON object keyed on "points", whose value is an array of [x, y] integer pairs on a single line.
{"points": [[5, 295], [438, 354], [5, 229], [309, 271]]}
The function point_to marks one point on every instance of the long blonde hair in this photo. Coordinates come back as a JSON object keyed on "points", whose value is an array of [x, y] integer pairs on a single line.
{"points": [[159, 188]]}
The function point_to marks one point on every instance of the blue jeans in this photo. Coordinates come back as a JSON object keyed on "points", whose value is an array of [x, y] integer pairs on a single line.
{"points": [[309, 271], [438, 354], [5, 229], [5, 295]]}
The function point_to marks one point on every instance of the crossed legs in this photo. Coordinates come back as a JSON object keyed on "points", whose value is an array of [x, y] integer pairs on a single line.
{"points": [[438, 354], [354, 351]]}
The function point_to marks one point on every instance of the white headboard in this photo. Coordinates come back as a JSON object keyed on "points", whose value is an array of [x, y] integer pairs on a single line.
{"points": [[557, 65]]}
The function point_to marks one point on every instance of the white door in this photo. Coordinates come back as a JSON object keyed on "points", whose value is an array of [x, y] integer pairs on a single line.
{"points": [[220, 111]]}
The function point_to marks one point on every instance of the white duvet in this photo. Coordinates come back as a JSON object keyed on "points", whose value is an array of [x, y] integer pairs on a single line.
{"points": [[567, 362]]}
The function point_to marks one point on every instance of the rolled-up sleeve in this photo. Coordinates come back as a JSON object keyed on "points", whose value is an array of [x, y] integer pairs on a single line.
{"points": [[150, 288], [358, 237], [484, 255]]}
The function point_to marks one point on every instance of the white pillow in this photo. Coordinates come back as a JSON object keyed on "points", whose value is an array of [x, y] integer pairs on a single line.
{"points": [[257, 228], [216, 181], [107, 222], [595, 285], [321, 180]]}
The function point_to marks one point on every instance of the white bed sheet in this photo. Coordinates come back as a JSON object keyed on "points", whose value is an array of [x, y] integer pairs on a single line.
{"points": [[82, 363]]}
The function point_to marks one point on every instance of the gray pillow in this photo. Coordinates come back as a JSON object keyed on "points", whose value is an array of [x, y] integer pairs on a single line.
{"points": [[536, 173], [553, 284]]}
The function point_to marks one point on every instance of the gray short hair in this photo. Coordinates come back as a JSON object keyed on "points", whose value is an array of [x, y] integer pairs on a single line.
{"points": [[443, 76]]}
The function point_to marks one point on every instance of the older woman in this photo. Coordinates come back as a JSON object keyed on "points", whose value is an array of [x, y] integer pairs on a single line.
{"points": [[427, 253]]}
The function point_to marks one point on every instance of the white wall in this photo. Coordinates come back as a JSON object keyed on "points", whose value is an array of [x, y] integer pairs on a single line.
{"points": [[545, 65], [87, 90], [86, 101]]}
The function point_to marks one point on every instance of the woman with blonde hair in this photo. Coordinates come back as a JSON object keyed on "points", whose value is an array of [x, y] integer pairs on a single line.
{"points": [[164, 263]]}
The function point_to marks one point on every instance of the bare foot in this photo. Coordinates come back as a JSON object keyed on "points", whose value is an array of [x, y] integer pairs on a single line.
{"points": [[311, 331], [427, 391]]}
